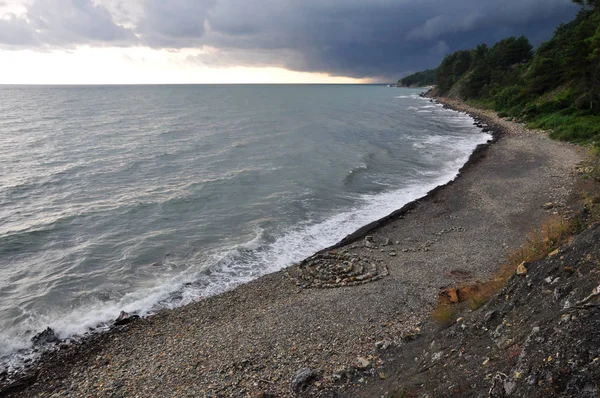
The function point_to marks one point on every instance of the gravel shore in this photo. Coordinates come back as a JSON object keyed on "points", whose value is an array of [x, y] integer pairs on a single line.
{"points": [[325, 323]]}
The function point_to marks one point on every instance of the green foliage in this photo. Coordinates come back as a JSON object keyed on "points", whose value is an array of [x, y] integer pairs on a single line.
{"points": [[419, 79], [452, 68], [556, 88], [497, 67], [508, 98], [573, 128]]}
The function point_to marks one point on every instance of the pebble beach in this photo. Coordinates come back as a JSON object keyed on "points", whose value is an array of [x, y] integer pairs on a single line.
{"points": [[319, 327]]}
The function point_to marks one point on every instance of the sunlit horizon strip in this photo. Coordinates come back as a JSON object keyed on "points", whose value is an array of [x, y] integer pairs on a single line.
{"points": [[140, 65]]}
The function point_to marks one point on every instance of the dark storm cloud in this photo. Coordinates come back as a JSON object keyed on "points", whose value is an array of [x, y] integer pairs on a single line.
{"points": [[382, 38], [360, 38]]}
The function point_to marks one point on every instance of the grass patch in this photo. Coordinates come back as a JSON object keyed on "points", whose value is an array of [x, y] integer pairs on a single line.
{"points": [[591, 208], [594, 165], [582, 129], [444, 314], [483, 103], [554, 233]]}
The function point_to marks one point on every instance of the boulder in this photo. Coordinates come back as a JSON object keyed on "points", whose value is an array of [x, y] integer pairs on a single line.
{"points": [[48, 336], [124, 318]]}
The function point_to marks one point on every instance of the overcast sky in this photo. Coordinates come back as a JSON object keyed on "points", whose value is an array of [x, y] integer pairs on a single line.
{"points": [[234, 41]]}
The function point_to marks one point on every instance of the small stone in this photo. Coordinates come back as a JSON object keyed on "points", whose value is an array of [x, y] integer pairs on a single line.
{"points": [[392, 254], [339, 375], [386, 242], [489, 316], [499, 331], [362, 363], [487, 360], [548, 206], [522, 269], [382, 345], [569, 270], [509, 387], [301, 379], [410, 336]]}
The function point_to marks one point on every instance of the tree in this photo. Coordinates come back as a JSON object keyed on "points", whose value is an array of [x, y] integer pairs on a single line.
{"points": [[587, 3], [452, 68]]}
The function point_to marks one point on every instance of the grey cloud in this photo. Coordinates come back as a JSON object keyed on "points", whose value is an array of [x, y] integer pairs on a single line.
{"points": [[64, 23], [74, 22], [16, 32], [359, 38], [174, 23], [257, 58]]}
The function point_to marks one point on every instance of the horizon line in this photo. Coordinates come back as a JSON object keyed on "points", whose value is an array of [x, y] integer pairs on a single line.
{"points": [[196, 84]]}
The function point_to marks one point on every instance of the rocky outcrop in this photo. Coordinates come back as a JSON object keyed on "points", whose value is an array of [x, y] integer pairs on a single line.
{"points": [[538, 337]]}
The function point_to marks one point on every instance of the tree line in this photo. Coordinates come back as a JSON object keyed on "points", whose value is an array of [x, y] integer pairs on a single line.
{"points": [[555, 87]]}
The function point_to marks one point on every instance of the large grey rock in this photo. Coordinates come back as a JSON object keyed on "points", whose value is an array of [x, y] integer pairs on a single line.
{"points": [[46, 337]]}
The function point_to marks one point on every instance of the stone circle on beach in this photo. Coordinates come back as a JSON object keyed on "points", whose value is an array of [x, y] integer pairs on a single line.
{"points": [[332, 269]]}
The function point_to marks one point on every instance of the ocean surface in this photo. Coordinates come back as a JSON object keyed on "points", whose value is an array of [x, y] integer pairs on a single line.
{"points": [[140, 198]]}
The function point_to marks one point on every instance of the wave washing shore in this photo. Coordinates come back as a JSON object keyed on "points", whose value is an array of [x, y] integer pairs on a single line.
{"points": [[154, 258], [263, 335]]}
